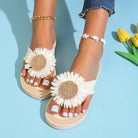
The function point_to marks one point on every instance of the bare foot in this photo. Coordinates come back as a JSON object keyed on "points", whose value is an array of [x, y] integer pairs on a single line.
{"points": [[86, 64], [44, 36]]}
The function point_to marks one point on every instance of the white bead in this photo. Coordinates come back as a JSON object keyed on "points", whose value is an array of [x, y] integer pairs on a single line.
{"points": [[85, 36], [95, 38], [103, 41]]}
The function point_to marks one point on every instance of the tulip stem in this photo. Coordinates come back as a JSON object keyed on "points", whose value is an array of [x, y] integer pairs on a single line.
{"points": [[128, 44], [134, 51]]}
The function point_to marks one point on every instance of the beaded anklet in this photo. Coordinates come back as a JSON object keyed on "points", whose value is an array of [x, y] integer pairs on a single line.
{"points": [[96, 38]]}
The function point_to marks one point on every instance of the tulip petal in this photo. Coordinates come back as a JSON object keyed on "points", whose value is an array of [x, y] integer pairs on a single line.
{"points": [[135, 40], [137, 27], [123, 35]]}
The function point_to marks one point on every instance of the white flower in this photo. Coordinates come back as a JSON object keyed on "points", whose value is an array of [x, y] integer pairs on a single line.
{"points": [[70, 89], [40, 62]]}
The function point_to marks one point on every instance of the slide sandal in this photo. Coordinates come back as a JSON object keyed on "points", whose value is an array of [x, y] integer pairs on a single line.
{"points": [[39, 63], [69, 90]]}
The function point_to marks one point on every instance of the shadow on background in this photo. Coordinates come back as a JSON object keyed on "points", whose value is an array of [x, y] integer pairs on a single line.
{"points": [[133, 28], [114, 35], [17, 14]]}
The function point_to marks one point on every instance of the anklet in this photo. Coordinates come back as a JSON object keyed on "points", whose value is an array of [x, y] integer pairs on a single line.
{"points": [[43, 18], [96, 38]]}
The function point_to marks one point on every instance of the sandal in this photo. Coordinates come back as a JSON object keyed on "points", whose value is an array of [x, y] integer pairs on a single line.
{"points": [[39, 63], [69, 90]]}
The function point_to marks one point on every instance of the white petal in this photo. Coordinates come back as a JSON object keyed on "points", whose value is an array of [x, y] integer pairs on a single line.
{"points": [[84, 89]]}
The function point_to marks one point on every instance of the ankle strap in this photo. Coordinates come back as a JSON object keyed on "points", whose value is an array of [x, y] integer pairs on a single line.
{"points": [[43, 18]]}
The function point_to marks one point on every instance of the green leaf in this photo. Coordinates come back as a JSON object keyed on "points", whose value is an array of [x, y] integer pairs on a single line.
{"points": [[128, 56], [134, 51]]}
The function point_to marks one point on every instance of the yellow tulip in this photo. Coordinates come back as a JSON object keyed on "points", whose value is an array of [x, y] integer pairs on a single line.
{"points": [[137, 27], [135, 40], [123, 35]]}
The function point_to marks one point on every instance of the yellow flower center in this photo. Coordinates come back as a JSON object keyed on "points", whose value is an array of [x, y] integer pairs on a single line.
{"points": [[38, 62], [68, 90]]}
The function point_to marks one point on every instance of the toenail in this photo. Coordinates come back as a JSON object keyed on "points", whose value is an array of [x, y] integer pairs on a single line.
{"points": [[65, 114], [46, 82], [27, 80], [54, 108], [35, 83], [84, 111], [70, 114], [31, 81], [76, 114]]}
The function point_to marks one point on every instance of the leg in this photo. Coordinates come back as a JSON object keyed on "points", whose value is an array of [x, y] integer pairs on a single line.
{"points": [[43, 35], [90, 53]]}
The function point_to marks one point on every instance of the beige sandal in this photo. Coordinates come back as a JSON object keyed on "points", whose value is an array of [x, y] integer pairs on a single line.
{"points": [[69, 90], [40, 63]]}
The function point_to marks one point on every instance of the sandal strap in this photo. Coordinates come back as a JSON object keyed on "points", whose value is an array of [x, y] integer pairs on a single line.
{"points": [[34, 18]]}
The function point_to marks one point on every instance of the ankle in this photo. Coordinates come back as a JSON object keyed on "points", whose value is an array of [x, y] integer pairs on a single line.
{"points": [[44, 34], [91, 48], [43, 25]]}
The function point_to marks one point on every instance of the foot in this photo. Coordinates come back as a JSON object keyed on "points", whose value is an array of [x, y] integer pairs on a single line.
{"points": [[44, 36], [89, 55]]}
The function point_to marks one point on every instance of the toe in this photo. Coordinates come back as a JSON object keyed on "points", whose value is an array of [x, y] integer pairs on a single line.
{"points": [[46, 82], [27, 77], [77, 110], [31, 81], [86, 103], [65, 112], [23, 71], [71, 111], [55, 108], [37, 82]]}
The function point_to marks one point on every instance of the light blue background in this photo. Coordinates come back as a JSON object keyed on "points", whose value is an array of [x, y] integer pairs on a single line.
{"points": [[114, 108]]}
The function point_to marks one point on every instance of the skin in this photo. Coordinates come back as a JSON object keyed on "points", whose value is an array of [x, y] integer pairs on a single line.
{"points": [[89, 54]]}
